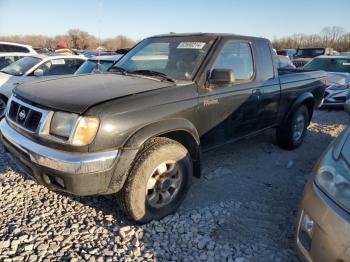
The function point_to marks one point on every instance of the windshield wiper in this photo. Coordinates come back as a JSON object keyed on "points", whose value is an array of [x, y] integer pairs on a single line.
{"points": [[153, 73], [115, 69]]}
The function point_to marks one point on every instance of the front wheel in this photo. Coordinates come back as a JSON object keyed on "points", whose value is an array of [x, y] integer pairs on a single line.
{"points": [[290, 135], [157, 182], [3, 103]]}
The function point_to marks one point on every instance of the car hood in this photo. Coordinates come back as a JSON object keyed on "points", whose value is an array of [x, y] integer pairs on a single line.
{"points": [[338, 79], [76, 94]]}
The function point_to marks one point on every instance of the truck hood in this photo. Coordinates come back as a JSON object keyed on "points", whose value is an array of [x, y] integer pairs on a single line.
{"points": [[78, 93]]}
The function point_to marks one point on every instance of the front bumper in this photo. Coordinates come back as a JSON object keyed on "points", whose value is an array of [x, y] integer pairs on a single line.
{"points": [[335, 97], [330, 239], [76, 173]]}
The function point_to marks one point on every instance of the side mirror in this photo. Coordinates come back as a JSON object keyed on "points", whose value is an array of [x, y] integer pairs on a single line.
{"points": [[221, 77], [39, 72], [347, 106]]}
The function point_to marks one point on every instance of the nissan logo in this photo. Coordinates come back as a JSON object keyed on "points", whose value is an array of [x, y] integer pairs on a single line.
{"points": [[22, 115]]}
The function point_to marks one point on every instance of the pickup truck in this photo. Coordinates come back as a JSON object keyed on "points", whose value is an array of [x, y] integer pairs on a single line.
{"points": [[139, 130]]}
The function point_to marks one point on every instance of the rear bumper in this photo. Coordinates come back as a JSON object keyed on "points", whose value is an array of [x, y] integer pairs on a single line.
{"points": [[76, 173], [330, 239]]}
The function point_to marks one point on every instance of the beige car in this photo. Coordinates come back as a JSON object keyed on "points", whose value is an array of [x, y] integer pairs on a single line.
{"points": [[323, 225]]}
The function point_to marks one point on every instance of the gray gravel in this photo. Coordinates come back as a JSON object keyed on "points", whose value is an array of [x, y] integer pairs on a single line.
{"points": [[242, 209]]}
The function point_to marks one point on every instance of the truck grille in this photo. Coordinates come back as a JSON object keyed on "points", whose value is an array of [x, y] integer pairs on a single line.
{"points": [[24, 116], [299, 63]]}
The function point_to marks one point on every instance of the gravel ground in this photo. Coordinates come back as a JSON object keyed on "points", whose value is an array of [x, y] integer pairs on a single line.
{"points": [[242, 209]]}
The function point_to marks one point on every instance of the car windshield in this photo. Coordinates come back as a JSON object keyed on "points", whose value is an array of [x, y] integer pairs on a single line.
{"points": [[309, 52], [21, 66], [329, 64], [175, 57], [93, 66]]}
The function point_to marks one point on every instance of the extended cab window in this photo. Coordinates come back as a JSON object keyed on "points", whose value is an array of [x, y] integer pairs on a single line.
{"points": [[60, 66], [237, 57]]}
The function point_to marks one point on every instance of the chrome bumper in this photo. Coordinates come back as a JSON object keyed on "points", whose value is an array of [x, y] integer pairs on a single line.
{"points": [[73, 163]]}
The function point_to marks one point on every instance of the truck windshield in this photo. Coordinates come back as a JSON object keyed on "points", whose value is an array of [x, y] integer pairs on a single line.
{"points": [[329, 65], [176, 57], [309, 52], [21, 66]]}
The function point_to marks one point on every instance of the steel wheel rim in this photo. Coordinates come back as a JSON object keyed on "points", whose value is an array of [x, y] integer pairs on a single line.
{"points": [[299, 127], [164, 184], [2, 108]]}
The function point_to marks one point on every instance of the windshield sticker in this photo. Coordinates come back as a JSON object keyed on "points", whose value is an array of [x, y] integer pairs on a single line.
{"points": [[191, 45], [347, 64], [58, 62]]}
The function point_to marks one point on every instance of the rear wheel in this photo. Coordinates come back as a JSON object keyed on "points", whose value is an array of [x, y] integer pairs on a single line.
{"points": [[3, 102], [290, 135], [157, 182]]}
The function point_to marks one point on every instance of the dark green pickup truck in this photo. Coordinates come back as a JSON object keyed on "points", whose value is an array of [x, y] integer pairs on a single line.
{"points": [[139, 129]]}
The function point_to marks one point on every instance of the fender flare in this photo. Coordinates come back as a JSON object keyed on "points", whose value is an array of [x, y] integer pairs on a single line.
{"points": [[158, 128], [134, 143], [299, 101]]}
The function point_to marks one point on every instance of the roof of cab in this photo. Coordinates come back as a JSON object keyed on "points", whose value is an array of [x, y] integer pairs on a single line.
{"points": [[207, 34]]}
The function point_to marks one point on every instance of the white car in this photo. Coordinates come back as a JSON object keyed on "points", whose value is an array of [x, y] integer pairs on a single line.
{"points": [[8, 47], [8, 58], [34, 67]]}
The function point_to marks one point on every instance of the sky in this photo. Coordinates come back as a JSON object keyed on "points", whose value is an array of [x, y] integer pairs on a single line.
{"points": [[138, 19]]}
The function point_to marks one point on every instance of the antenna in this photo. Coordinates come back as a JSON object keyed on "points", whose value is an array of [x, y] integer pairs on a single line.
{"points": [[99, 34]]}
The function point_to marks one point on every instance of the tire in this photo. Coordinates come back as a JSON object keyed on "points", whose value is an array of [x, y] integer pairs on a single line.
{"points": [[290, 135], [158, 181], [3, 103]]}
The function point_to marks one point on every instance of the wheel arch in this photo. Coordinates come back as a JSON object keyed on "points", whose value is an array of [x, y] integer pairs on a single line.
{"points": [[306, 99], [178, 129]]}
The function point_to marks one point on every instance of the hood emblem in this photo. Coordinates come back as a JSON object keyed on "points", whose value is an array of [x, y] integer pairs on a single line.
{"points": [[22, 115]]}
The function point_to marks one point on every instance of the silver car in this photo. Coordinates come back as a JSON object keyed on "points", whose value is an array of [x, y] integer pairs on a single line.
{"points": [[338, 77]]}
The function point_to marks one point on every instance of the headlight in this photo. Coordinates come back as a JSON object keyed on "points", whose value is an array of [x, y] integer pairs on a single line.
{"points": [[339, 86], [72, 129], [62, 124], [85, 131], [333, 178]]}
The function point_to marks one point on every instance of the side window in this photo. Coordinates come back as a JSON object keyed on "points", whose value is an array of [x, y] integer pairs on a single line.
{"points": [[6, 60], [237, 57], [13, 48], [61, 66]]}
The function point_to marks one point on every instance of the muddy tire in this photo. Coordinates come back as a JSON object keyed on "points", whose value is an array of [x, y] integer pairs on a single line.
{"points": [[158, 181], [290, 135]]}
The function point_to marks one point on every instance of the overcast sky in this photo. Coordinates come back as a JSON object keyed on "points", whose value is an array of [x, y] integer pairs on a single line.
{"points": [[139, 19]]}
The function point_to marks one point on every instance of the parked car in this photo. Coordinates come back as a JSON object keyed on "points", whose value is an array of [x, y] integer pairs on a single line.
{"points": [[287, 52], [34, 67], [323, 227], [97, 64], [305, 55], [140, 131], [8, 58], [8, 47], [338, 76], [283, 62]]}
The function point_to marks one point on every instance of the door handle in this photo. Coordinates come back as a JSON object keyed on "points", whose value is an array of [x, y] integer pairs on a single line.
{"points": [[257, 91]]}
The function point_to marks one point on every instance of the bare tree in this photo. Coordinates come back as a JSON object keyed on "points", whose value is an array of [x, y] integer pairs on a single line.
{"points": [[335, 37]]}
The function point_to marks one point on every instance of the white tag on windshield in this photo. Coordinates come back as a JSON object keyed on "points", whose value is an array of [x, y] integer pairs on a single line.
{"points": [[346, 64], [191, 45], [58, 62]]}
